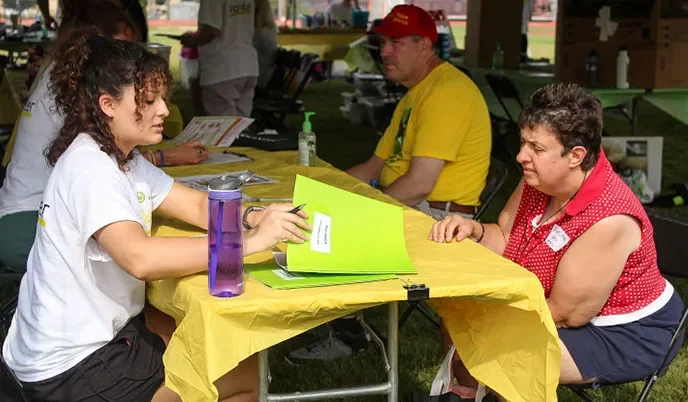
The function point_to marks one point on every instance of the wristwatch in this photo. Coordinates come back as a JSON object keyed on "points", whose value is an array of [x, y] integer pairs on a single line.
{"points": [[244, 220]]}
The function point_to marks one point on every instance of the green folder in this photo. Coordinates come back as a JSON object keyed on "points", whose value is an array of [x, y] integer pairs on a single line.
{"points": [[271, 275], [351, 234]]}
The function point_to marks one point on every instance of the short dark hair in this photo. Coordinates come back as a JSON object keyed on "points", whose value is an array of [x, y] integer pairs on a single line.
{"points": [[572, 113]]}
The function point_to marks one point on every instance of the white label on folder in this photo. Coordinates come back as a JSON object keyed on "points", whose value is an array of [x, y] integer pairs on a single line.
{"points": [[287, 276], [320, 237]]}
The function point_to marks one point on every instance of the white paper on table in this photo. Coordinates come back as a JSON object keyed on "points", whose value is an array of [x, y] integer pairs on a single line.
{"points": [[216, 158], [201, 182], [216, 131]]}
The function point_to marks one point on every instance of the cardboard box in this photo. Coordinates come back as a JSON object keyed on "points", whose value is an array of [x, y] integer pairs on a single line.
{"points": [[657, 48]]}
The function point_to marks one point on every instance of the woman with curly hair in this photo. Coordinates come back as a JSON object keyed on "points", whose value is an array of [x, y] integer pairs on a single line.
{"points": [[79, 333], [28, 172]]}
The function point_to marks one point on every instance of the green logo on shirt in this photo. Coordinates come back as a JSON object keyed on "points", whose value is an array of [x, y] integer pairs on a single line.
{"points": [[240, 9], [27, 109], [140, 196], [401, 134]]}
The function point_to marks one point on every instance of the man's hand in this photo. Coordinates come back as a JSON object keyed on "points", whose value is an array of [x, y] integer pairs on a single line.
{"points": [[189, 39]]}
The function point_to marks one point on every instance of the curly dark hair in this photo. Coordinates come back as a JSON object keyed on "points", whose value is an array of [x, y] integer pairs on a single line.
{"points": [[92, 65], [572, 113]]}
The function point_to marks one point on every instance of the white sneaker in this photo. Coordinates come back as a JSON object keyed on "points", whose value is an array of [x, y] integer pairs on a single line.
{"points": [[329, 348]]}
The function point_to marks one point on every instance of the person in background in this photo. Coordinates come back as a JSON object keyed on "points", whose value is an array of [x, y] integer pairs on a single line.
{"points": [[228, 62], [528, 6], [435, 154], [340, 11], [44, 7], [40, 123], [574, 224], [135, 9], [79, 333], [265, 41]]}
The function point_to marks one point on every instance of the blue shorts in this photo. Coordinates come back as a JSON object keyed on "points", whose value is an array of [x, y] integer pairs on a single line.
{"points": [[626, 352]]}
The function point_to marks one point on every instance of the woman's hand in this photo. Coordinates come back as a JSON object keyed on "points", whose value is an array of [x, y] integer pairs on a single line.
{"points": [[275, 225], [254, 218], [190, 153], [452, 227]]}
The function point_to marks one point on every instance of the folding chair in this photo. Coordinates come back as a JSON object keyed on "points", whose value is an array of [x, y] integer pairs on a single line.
{"points": [[505, 90], [465, 71], [671, 257], [271, 108], [505, 131], [496, 177]]}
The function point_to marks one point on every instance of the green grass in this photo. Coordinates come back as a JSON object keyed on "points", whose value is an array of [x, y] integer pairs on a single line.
{"points": [[344, 145], [540, 41]]}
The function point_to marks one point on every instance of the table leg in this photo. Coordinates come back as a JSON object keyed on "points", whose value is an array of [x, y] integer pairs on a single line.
{"points": [[264, 372], [391, 388], [393, 351], [634, 116]]}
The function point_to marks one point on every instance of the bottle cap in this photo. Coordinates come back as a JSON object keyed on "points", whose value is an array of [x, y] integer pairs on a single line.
{"points": [[307, 123]]}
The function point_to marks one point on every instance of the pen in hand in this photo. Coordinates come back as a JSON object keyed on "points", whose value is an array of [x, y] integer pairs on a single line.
{"points": [[297, 209]]}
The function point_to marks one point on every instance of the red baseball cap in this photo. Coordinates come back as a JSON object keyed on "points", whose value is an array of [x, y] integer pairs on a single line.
{"points": [[405, 20]]}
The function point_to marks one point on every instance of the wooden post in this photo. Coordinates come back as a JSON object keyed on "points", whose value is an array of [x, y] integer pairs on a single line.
{"points": [[489, 22], [282, 10]]}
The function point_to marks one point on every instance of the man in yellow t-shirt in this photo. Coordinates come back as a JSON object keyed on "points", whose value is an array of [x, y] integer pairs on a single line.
{"points": [[435, 154]]}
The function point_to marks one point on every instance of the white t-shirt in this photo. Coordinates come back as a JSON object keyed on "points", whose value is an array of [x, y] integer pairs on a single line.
{"points": [[74, 298], [265, 42], [231, 55], [338, 12], [28, 171]]}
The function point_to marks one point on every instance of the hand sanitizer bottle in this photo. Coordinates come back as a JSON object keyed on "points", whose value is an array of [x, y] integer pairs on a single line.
{"points": [[307, 143]]}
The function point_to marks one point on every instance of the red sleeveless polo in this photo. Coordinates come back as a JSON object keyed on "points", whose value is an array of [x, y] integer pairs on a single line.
{"points": [[603, 194]]}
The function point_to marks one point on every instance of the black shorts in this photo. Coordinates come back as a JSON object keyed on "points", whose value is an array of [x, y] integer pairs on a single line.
{"points": [[129, 368], [626, 352]]}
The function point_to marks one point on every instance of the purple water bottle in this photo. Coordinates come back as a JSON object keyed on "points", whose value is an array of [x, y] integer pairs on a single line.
{"points": [[225, 251]]}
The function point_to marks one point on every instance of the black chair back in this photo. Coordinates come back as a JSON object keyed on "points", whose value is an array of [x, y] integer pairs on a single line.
{"points": [[496, 177]]}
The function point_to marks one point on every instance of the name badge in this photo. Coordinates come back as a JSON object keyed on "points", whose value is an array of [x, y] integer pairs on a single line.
{"points": [[557, 238]]}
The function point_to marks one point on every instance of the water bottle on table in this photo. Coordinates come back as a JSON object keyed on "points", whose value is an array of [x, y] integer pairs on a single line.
{"points": [[225, 250]]}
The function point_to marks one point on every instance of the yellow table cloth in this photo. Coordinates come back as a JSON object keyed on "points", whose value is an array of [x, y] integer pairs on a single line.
{"points": [[495, 310]]}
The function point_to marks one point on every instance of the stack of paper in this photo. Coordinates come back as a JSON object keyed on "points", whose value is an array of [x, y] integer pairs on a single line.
{"points": [[217, 131], [354, 239]]}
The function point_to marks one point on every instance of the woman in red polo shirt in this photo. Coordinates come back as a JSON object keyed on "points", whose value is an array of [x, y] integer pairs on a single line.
{"points": [[574, 224]]}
